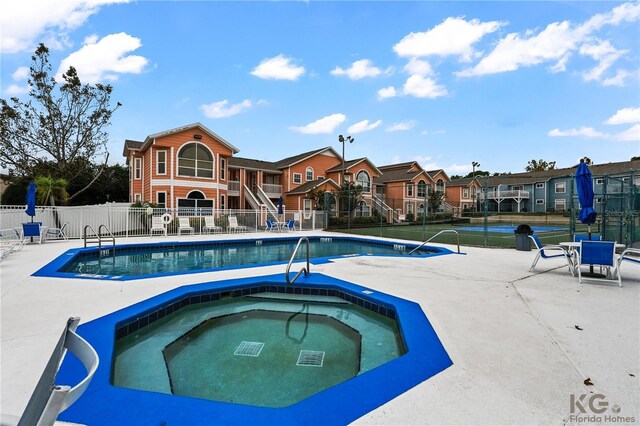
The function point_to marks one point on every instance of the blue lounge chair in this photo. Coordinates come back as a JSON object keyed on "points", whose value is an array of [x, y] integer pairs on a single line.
{"points": [[543, 252], [289, 225], [598, 253], [270, 226], [580, 237]]}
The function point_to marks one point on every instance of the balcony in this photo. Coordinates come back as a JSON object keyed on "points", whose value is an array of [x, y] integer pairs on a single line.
{"points": [[272, 191], [233, 188], [515, 194]]}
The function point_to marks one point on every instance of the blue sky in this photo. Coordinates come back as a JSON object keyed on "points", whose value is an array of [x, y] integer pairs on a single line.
{"points": [[444, 83]]}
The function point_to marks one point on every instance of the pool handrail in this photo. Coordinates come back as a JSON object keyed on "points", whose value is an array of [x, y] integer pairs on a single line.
{"points": [[293, 256], [49, 399], [444, 231], [108, 236]]}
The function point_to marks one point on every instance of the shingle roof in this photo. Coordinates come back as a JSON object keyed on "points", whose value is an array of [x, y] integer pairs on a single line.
{"points": [[394, 175], [249, 163], [351, 163], [286, 162], [404, 166], [308, 186], [130, 145]]}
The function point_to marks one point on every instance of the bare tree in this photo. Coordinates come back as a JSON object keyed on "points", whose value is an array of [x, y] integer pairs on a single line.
{"points": [[58, 124]]}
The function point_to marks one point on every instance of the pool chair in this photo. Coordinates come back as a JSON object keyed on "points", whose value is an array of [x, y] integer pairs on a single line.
{"points": [[594, 237], [57, 232], [210, 226], [598, 253], [49, 398], [10, 240], [289, 225], [157, 225], [184, 225], [233, 225], [549, 252], [270, 226], [629, 255]]}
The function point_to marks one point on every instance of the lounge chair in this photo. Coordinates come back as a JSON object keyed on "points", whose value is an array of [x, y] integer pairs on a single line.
{"points": [[34, 229], [270, 226], [543, 252], [157, 225], [184, 225], [289, 225], [10, 240], [233, 225], [598, 253], [210, 225], [629, 255], [57, 232]]}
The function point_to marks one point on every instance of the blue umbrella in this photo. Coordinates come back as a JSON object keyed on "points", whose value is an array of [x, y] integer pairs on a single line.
{"points": [[584, 184], [280, 210], [31, 200]]}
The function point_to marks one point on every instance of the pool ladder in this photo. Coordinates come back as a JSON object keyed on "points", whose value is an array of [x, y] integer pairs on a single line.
{"points": [[98, 237], [293, 256], [444, 231]]}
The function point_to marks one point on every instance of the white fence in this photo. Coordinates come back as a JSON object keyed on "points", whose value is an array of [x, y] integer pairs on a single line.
{"points": [[125, 221]]}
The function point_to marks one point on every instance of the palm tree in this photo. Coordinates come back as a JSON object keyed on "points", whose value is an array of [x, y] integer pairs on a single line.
{"points": [[49, 190]]}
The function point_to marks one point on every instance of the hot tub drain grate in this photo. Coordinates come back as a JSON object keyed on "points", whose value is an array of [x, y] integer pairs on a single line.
{"points": [[310, 359], [249, 349]]}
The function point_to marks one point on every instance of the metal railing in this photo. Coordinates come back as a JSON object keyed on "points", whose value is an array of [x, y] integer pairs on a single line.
{"points": [[492, 195], [444, 231], [293, 257], [98, 237]]}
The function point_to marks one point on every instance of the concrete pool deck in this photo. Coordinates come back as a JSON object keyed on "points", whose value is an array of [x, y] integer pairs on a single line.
{"points": [[522, 342]]}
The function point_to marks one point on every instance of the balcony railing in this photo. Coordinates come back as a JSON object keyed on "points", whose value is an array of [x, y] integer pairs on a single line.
{"points": [[234, 186], [494, 195], [272, 191]]}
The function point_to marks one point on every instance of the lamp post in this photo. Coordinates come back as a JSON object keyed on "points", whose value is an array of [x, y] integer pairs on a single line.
{"points": [[474, 164], [343, 141]]}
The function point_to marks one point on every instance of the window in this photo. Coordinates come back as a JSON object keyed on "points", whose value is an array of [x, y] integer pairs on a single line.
{"points": [[222, 202], [161, 199], [465, 192], [195, 200], [539, 185], [161, 162], [137, 198], [561, 205], [599, 181], [195, 160], [362, 210], [138, 168], [307, 207], [297, 178], [422, 189], [309, 174], [561, 188], [409, 190], [409, 208], [362, 179], [539, 201], [421, 210], [320, 177], [440, 185], [223, 168]]}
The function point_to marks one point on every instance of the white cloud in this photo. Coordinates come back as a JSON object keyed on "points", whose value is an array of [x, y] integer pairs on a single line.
{"points": [[554, 43], [631, 134], [222, 109], [387, 92], [604, 53], [360, 69], [323, 125], [454, 36], [105, 59], [278, 68], [16, 90], [24, 22], [421, 87], [402, 126], [363, 126], [587, 132], [417, 66], [22, 73], [625, 116], [618, 79]]}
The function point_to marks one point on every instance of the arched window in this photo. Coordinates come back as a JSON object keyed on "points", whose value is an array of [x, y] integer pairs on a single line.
{"points": [[440, 185], [422, 189], [195, 160], [363, 179], [195, 200], [362, 209], [421, 210], [309, 174]]}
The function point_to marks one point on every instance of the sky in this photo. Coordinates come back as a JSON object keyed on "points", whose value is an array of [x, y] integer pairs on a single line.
{"points": [[443, 83]]}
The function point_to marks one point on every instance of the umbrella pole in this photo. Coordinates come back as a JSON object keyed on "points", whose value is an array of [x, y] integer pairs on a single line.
{"points": [[589, 233]]}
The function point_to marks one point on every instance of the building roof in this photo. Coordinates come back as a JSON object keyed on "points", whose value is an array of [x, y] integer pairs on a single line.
{"points": [[249, 163], [351, 163], [461, 182], [308, 186], [130, 145], [404, 166], [290, 161]]}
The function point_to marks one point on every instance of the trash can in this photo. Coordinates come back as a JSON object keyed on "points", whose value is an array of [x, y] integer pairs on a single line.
{"points": [[522, 237]]}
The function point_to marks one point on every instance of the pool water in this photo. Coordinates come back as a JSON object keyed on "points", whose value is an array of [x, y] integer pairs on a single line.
{"points": [[266, 349], [157, 259]]}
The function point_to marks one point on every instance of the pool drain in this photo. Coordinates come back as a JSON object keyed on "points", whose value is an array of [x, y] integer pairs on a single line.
{"points": [[249, 349], [310, 359]]}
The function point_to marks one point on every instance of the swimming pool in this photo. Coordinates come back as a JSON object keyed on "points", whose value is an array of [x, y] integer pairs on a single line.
{"points": [[422, 356], [135, 261]]}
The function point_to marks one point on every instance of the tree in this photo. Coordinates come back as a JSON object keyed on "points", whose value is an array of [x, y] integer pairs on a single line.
{"points": [[50, 190], [350, 195], [540, 166], [435, 199], [63, 125]]}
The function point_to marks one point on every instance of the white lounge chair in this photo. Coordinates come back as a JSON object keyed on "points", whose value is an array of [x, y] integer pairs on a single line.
{"points": [[10, 240], [57, 232], [233, 225], [184, 225], [157, 225], [210, 225]]}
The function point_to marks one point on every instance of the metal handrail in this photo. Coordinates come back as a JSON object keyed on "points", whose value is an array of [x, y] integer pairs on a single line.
{"points": [[293, 256], [444, 231], [107, 236], [84, 233]]}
